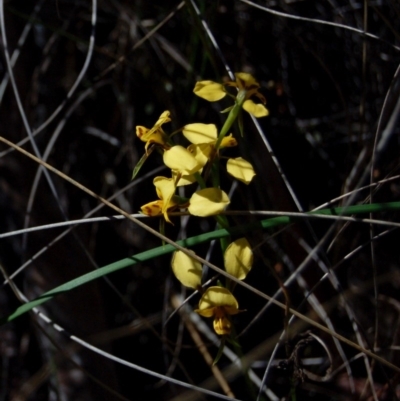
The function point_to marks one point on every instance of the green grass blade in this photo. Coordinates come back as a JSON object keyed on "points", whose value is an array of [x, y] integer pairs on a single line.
{"points": [[140, 163], [189, 242]]}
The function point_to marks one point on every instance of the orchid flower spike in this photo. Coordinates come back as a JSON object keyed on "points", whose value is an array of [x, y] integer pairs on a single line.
{"points": [[247, 87]]}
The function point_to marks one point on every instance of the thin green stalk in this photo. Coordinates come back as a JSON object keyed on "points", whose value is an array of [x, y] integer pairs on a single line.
{"points": [[221, 220], [190, 242], [232, 116], [200, 180]]}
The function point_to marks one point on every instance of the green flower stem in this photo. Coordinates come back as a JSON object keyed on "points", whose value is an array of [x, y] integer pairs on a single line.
{"points": [[189, 242], [221, 220], [200, 180], [215, 173], [232, 116]]}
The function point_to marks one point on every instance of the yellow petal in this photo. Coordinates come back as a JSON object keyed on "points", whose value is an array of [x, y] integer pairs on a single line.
{"points": [[156, 137], [222, 324], [231, 310], [141, 132], [217, 297], [206, 312], [184, 179], [257, 110], [241, 169], [246, 81], [180, 159], [201, 152], [207, 202], [153, 208], [200, 133], [187, 270], [145, 134], [209, 90], [164, 118], [238, 258], [165, 188], [228, 141]]}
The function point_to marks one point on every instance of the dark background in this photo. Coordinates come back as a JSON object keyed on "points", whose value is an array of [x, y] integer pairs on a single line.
{"points": [[325, 88]]}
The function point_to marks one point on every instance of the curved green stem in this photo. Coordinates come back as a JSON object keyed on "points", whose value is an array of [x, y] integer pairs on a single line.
{"points": [[189, 242], [232, 116], [200, 180]]}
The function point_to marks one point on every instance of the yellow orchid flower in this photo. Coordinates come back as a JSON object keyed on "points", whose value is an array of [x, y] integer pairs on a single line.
{"points": [[247, 86], [182, 180], [256, 109], [201, 152], [198, 133], [246, 82], [187, 270], [218, 302], [210, 90], [238, 258], [165, 189], [241, 169], [208, 202], [204, 152], [155, 134], [203, 138], [228, 141], [181, 160]]}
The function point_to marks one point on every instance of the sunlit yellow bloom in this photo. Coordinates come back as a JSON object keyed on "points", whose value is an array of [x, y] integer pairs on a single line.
{"points": [[181, 160], [256, 109], [218, 302], [238, 258], [203, 138], [198, 133], [187, 270], [182, 180], [184, 164], [201, 152], [241, 169], [207, 202], [209, 90], [245, 83], [155, 134], [165, 189], [228, 141]]}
